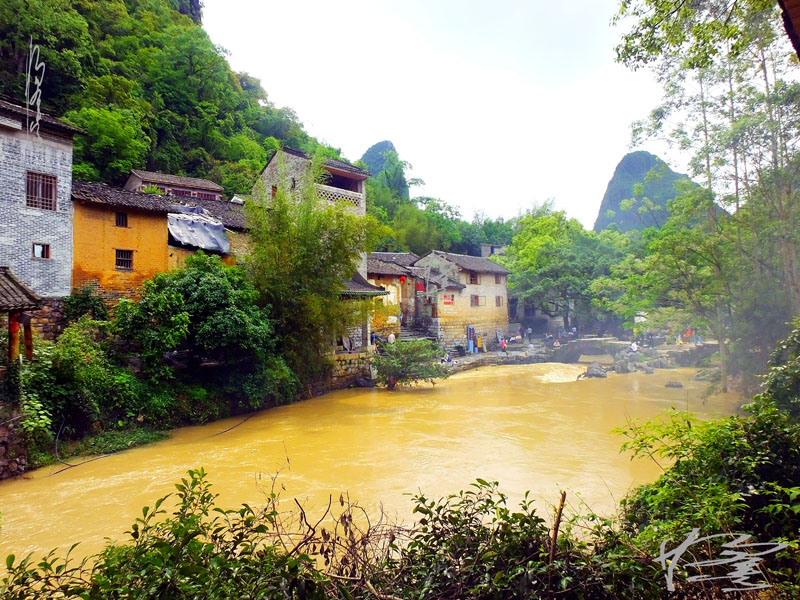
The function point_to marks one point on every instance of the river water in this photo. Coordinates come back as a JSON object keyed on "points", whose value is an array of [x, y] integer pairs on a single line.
{"points": [[530, 427]]}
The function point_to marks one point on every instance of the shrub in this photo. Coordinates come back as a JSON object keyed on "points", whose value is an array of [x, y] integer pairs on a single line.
{"points": [[406, 362], [85, 302], [70, 378]]}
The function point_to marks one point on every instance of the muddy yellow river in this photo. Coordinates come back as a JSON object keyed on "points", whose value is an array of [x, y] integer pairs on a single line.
{"points": [[529, 427]]}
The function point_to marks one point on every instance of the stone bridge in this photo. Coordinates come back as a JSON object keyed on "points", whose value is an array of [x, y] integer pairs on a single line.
{"points": [[571, 351]]}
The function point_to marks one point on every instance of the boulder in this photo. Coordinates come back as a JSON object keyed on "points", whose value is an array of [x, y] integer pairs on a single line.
{"points": [[596, 370], [648, 370], [623, 366], [674, 384]]}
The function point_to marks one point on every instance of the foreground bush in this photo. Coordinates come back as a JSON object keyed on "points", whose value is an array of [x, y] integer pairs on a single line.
{"points": [[409, 362]]}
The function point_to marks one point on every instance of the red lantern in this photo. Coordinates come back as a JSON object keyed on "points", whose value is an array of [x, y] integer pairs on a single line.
{"points": [[402, 278]]}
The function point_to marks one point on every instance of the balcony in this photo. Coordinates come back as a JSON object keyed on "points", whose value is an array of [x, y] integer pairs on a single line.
{"points": [[334, 194]]}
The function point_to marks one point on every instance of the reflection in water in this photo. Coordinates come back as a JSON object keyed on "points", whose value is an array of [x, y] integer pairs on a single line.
{"points": [[529, 427]]}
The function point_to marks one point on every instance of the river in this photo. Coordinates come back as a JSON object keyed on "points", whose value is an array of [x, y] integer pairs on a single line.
{"points": [[530, 427]]}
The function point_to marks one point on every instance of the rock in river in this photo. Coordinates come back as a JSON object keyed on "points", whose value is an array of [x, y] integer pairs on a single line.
{"points": [[674, 384], [595, 370]]}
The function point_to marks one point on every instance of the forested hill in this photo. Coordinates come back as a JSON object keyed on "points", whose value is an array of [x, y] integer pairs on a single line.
{"points": [[638, 193], [145, 81]]}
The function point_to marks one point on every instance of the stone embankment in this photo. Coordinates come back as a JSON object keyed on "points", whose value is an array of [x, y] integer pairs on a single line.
{"points": [[13, 452]]}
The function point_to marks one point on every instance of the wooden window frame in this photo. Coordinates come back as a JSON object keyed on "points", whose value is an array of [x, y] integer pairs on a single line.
{"points": [[207, 196], [477, 301], [473, 278], [181, 193], [498, 301], [498, 279], [120, 260], [35, 183], [45, 251], [121, 219]]}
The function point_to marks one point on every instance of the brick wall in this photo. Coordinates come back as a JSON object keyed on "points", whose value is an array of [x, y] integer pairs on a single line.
{"points": [[22, 226], [97, 238]]}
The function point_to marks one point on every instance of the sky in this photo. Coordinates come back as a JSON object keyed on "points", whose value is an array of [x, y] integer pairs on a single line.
{"points": [[497, 105]]}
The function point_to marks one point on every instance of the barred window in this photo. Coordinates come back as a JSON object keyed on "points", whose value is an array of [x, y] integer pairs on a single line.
{"points": [[206, 195], [124, 260], [40, 190], [182, 193], [122, 219], [41, 251]]}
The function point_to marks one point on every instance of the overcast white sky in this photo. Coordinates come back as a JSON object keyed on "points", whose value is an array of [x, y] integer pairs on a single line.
{"points": [[497, 105]]}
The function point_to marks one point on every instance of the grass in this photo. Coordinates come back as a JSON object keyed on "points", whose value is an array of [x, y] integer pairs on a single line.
{"points": [[107, 442]]}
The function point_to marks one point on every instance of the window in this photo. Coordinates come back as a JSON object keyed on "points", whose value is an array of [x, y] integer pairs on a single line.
{"points": [[40, 190], [124, 260], [477, 300], [498, 301], [122, 219], [473, 278], [206, 195], [163, 190], [41, 251], [182, 193], [498, 279]]}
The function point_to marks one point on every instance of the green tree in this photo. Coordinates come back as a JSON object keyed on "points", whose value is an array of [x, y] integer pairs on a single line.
{"points": [[302, 251], [409, 362], [113, 145]]}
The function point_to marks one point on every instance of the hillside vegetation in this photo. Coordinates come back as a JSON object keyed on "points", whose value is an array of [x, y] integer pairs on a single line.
{"points": [[149, 87]]}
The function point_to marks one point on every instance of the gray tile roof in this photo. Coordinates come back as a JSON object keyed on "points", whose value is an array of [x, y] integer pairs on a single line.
{"points": [[358, 286], [378, 267], [100, 193], [329, 162], [15, 295], [473, 263], [229, 213], [435, 277], [179, 180], [46, 120], [404, 259]]}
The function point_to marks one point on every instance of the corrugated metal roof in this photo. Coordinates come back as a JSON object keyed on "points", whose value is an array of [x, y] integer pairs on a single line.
{"points": [[198, 230]]}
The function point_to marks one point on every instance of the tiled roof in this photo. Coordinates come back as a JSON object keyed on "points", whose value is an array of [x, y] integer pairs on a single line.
{"points": [[329, 162], [230, 214], [46, 119], [404, 259], [358, 286], [473, 263], [435, 277], [379, 267], [15, 295], [100, 193], [179, 180]]}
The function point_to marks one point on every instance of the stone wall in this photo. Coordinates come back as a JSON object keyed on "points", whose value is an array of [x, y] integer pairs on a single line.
{"points": [[21, 226], [49, 321], [13, 452], [348, 367]]}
